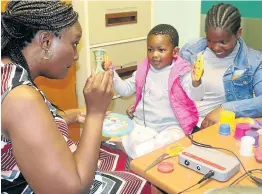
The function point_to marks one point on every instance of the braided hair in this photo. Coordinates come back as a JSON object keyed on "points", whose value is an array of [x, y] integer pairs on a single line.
{"points": [[224, 16], [23, 19], [168, 30]]}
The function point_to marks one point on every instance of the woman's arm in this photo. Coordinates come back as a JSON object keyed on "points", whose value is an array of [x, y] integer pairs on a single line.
{"points": [[243, 108], [249, 107], [40, 150]]}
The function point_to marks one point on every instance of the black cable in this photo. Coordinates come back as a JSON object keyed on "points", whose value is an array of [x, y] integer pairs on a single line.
{"points": [[188, 188], [245, 174], [190, 136], [144, 103], [206, 177]]}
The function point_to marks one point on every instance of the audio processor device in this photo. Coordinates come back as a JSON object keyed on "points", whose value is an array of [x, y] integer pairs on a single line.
{"points": [[202, 160]]}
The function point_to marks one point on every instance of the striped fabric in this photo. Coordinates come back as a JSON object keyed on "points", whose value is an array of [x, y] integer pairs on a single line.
{"points": [[113, 177]]}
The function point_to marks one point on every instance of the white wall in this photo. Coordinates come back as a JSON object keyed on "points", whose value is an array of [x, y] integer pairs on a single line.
{"points": [[83, 66], [183, 15]]}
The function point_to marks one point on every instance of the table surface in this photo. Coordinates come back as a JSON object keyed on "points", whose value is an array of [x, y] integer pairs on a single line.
{"points": [[182, 177]]}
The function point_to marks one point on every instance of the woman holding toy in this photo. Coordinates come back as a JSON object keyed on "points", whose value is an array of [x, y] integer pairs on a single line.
{"points": [[40, 38], [233, 71]]}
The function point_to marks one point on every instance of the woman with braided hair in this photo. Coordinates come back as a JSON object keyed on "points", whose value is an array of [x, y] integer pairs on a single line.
{"points": [[39, 38], [233, 71]]}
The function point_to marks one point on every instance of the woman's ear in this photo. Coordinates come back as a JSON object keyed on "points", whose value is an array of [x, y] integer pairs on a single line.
{"points": [[175, 51], [239, 32], [45, 40]]}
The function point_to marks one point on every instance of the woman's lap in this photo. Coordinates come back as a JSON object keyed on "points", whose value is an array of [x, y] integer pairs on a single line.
{"points": [[114, 166]]}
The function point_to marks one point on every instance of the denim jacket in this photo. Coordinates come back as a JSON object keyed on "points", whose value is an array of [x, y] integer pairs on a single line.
{"points": [[244, 93]]}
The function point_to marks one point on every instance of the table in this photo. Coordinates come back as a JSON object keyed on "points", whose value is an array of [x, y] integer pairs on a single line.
{"points": [[182, 177]]}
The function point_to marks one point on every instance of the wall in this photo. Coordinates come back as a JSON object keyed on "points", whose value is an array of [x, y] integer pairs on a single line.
{"points": [[83, 66], [183, 15], [125, 44], [251, 20]]}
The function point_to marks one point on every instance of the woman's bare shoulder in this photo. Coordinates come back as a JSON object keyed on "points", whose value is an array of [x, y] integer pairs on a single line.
{"points": [[19, 102]]}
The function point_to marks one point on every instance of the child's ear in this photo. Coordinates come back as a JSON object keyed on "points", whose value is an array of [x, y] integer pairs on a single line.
{"points": [[175, 51], [239, 32]]}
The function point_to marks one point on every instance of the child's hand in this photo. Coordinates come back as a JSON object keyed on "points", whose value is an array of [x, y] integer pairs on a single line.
{"points": [[107, 65], [130, 111]]}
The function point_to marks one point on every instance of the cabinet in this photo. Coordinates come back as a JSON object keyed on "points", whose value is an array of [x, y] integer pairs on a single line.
{"points": [[125, 44]]}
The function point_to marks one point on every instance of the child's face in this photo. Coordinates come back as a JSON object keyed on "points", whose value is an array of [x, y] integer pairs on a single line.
{"points": [[220, 41], [160, 51]]}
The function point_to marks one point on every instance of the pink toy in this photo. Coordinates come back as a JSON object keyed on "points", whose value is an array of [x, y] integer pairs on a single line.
{"points": [[241, 129], [258, 154]]}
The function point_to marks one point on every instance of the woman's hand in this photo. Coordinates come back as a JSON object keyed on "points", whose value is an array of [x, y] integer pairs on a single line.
{"points": [[98, 92], [130, 111], [211, 118]]}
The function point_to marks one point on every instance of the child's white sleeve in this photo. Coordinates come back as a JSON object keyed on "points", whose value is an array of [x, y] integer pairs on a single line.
{"points": [[194, 93], [125, 87]]}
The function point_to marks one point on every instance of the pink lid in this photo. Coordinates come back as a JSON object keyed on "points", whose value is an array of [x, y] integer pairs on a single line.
{"points": [[243, 126], [241, 129], [165, 167]]}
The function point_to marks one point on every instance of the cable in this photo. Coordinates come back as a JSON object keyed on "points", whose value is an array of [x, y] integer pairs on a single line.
{"points": [[144, 103], [206, 177], [255, 179], [245, 174]]}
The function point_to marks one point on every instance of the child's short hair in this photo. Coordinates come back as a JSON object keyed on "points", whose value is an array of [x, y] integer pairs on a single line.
{"points": [[168, 30]]}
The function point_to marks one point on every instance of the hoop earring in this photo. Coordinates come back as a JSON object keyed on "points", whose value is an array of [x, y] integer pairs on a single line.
{"points": [[48, 55]]}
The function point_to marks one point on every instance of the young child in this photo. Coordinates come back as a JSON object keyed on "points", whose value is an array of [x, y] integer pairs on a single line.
{"points": [[165, 88]]}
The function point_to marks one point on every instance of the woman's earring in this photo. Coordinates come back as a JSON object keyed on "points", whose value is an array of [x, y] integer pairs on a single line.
{"points": [[48, 55]]}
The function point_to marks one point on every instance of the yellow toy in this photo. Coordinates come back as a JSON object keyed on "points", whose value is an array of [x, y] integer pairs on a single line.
{"points": [[171, 151], [199, 67], [246, 120], [106, 64]]}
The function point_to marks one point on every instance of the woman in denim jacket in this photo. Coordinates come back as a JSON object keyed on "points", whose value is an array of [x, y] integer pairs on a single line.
{"points": [[233, 71]]}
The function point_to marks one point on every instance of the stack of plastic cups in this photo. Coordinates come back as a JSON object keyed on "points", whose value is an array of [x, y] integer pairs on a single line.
{"points": [[241, 129], [227, 119], [255, 135]]}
